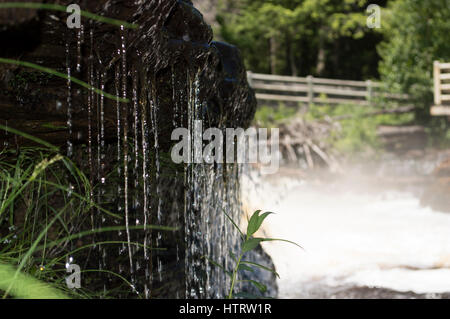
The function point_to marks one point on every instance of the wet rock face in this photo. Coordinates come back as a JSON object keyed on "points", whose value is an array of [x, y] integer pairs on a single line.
{"points": [[172, 35], [15, 16], [172, 73], [437, 194], [269, 279]]}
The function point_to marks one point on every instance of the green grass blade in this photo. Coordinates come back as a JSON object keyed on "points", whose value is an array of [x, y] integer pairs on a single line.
{"points": [[29, 137], [250, 244], [234, 224], [261, 266], [56, 7], [30, 252], [286, 241], [104, 230], [62, 257], [261, 287], [218, 265], [24, 286], [64, 76], [245, 267]]}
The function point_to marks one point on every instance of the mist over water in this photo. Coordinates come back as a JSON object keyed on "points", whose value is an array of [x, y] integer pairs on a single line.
{"points": [[365, 228]]}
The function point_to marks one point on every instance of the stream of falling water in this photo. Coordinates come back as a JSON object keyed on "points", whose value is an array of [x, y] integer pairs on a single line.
{"points": [[126, 147], [89, 105], [154, 120], [69, 103], [133, 182], [148, 276]]}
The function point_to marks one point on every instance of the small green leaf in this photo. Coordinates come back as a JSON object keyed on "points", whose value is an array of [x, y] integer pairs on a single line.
{"points": [[234, 224], [252, 224], [232, 255], [261, 266], [217, 265], [255, 222], [53, 127], [250, 244], [277, 239], [260, 286], [244, 267]]}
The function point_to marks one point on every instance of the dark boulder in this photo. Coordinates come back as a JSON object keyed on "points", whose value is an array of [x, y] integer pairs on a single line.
{"points": [[171, 72]]}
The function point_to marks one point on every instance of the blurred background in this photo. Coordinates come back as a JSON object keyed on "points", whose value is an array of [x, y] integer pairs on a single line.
{"points": [[361, 96]]}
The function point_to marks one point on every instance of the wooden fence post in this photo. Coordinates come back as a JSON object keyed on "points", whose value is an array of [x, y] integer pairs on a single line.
{"points": [[250, 78], [437, 83], [369, 91], [310, 80]]}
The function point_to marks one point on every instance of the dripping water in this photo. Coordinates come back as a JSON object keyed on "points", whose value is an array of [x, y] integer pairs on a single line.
{"points": [[146, 194], [89, 103], [125, 146], [69, 104], [80, 41], [153, 118], [6, 143]]}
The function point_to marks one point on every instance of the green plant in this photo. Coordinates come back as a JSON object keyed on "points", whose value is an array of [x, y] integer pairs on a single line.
{"points": [[25, 286], [248, 243], [270, 116], [415, 33], [57, 7], [63, 76], [45, 206], [357, 129]]}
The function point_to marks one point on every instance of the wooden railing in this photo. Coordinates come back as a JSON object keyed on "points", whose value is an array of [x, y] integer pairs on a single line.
{"points": [[441, 89], [316, 90]]}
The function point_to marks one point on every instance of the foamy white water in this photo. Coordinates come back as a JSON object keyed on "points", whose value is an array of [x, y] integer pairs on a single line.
{"points": [[351, 237]]}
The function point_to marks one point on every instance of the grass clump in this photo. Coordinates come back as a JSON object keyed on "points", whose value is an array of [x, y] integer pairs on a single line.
{"points": [[47, 220]]}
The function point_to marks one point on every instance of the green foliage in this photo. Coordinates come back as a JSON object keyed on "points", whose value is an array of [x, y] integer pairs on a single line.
{"points": [[415, 34], [289, 36], [63, 76], [248, 243], [25, 286], [269, 116], [57, 7], [357, 133], [45, 202]]}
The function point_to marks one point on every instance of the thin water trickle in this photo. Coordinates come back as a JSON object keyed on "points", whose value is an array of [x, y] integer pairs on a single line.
{"points": [[102, 154], [125, 146], [146, 192], [80, 41], [154, 120], [6, 143], [69, 103], [90, 102]]}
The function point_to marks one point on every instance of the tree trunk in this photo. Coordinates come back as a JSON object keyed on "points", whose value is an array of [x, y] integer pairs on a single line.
{"points": [[291, 56], [321, 53], [273, 55]]}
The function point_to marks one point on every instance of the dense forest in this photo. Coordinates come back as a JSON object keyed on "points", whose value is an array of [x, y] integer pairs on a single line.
{"points": [[330, 38]]}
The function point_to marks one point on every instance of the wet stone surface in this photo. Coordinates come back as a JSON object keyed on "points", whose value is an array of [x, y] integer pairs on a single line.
{"points": [[171, 73]]}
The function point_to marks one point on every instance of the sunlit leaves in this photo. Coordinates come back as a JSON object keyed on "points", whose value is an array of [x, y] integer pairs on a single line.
{"points": [[255, 222]]}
